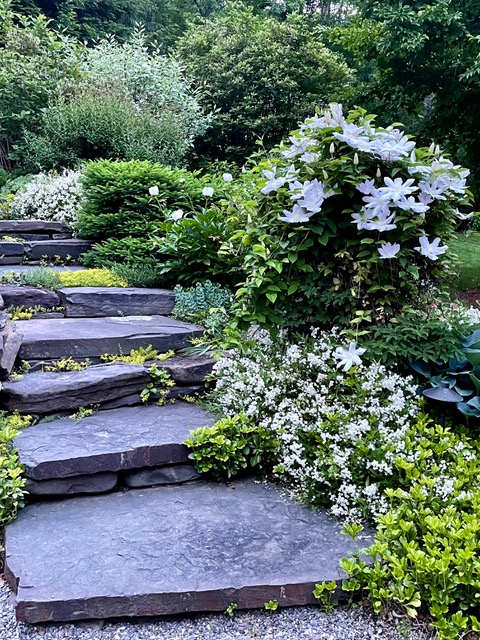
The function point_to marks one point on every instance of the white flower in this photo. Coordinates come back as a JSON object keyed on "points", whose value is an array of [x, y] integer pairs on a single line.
{"points": [[348, 357], [366, 187], [396, 189], [153, 191], [463, 216], [430, 249], [207, 192], [298, 214], [313, 197], [388, 250], [227, 177], [177, 214]]}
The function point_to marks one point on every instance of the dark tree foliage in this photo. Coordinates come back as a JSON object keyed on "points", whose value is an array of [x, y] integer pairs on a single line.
{"points": [[419, 63]]}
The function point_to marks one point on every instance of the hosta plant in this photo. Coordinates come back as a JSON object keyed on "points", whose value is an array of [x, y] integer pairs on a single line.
{"points": [[348, 221]]}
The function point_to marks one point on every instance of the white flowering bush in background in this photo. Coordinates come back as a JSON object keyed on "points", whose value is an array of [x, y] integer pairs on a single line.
{"points": [[347, 220], [341, 424], [49, 197]]}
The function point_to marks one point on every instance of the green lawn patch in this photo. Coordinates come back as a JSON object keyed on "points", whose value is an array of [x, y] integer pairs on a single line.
{"points": [[467, 248]]}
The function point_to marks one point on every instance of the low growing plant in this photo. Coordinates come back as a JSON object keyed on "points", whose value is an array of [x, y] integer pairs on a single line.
{"points": [[160, 383], [206, 303], [143, 276], [90, 278], [41, 278], [11, 479], [138, 356], [67, 364], [425, 557], [232, 445]]}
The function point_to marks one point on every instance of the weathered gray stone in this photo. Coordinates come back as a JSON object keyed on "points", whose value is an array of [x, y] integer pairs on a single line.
{"points": [[94, 483], [90, 302], [9, 352], [169, 474], [11, 260], [48, 315], [4, 318], [9, 227], [120, 439], [52, 249], [188, 369], [50, 392], [92, 337], [61, 236], [179, 391], [2, 302], [21, 296], [30, 237], [11, 248], [169, 550]]}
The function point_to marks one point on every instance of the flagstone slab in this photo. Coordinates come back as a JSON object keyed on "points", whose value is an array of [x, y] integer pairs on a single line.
{"points": [[93, 337], [23, 296], [168, 474], [169, 550], [92, 483], [50, 392], [7, 227], [51, 249], [85, 302], [116, 440]]}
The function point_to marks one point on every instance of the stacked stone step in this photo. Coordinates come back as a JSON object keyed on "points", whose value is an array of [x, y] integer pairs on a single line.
{"points": [[159, 540], [39, 241]]}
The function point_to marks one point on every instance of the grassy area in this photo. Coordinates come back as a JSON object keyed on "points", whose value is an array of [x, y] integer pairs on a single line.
{"points": [[467, 248]]}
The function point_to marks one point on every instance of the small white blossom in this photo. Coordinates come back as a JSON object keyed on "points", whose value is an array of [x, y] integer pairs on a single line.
{"points": [[388, 250], [348, 357], [207, 192], [153, 191], [227, 177], [177, 214]]}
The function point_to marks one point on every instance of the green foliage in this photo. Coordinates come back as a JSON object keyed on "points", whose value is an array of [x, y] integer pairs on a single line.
{"points": [[138, 356], [260, 77], [419, 63], [67, 364], [271, 605], [143, 276], [117, 200], [426, 552], [430, 336], [230, 610], [327, 267], [131, 253], [90, 278], [467, 250], [160, 382], [230, 446], [324, 592], [41, 278], [34, 61], [190, 247], [11, 480], [207, 304]]}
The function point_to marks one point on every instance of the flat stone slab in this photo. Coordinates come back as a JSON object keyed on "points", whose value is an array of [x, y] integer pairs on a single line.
{"points": [[169, 550], [169, 474], [51, 392], [52, 249], [116, 440], [95, 483], [32, 226], [23, 296], [11, 248], [85, 302], [188, 369], [93, 337]]}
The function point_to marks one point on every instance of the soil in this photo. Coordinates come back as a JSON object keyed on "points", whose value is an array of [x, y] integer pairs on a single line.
{"points": [[471, 297]]}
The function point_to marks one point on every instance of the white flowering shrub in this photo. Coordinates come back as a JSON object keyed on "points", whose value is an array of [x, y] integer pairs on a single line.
{"points": [[49, 197], [347, 220], [341, 424]]}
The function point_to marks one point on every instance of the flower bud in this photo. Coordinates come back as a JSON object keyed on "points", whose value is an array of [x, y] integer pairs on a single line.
{"points": [[356, 159], [332, 148], [431, 148], [379, 172]]}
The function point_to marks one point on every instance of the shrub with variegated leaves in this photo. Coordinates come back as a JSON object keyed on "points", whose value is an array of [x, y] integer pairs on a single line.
{"points": [[349, 223]]}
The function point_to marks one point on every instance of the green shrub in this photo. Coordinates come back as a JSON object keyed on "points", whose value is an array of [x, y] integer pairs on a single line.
{"points": [[261, 76], [129, 252], [190, 248], [90, 278], [426, 556], [207, 303], [41, 278], [11, 480], [143, 276], [117, 200], [230, 446], [347, 222]]}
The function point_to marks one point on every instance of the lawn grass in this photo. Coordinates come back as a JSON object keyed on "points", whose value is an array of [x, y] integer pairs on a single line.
{"points": [[467, 249]]}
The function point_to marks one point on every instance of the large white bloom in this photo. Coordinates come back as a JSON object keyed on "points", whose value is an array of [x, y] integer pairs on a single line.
{"points": [[298, 214], [388, 250], [348, 357], [430, 249], [397, 189]]}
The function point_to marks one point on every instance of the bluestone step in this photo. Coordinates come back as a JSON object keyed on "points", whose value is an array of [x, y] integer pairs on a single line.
{"points": [[93, 337], [117, 440], [51, 249], [85, 302], [169, 550], [51, 392]]}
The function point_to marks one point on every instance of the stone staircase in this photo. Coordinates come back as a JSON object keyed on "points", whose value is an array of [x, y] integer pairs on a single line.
{"points": [[119, 523], [35, 242]]}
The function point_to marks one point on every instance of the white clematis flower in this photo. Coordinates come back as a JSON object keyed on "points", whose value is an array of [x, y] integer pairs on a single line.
{"points": [[388, 250], [430, 249], [153, 191], [298, 214], [348, 357]]}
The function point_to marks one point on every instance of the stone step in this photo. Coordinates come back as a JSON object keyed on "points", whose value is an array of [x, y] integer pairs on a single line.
{"points": [[90, 302], [28, 297], [50, 250], [93, 337], [24, 268], [117, 440], [50, 392], [11, 227], [169, 550]]}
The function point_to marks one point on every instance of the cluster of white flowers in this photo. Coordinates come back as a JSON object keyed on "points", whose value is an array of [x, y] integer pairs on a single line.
{"points": [[440, 180], [459, 314], [49, 197], [341, 423]]}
